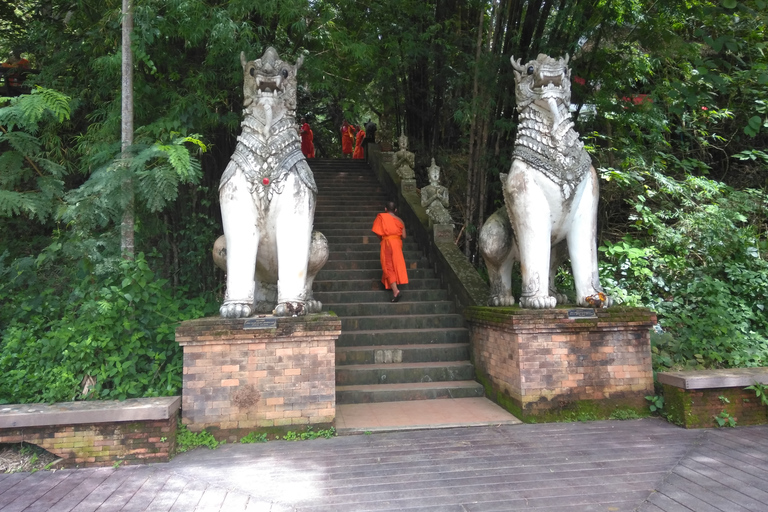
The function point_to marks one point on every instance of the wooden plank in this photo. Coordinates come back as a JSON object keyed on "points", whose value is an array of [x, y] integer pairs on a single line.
{"points": [[146, 493], [736, 460], [10, 481], [234, 502], [93, 479], [212, 499], [731, 477], [167, 496], [747, 448], [189, 497], [666, 503], [61, 490], [29, 490], [101, 493], [702, 493], [720, 489]]}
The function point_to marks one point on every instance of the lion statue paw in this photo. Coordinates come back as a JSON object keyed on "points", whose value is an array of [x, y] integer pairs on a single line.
{"points": [[290, 309], [235, 310], [313, 306], [538, 302], [502, 300]]}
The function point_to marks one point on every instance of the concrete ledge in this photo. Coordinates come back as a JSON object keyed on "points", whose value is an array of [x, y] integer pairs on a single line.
{"points": [[708, 379], [94, 412]]}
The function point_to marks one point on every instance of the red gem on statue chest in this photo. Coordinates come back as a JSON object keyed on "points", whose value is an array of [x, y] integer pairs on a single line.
{"points": [[265, 181]]}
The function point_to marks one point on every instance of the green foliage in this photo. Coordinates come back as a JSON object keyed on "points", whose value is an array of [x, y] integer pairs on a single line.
{"points": [[761, 392], [186, 440], [624, 414], [254, 437], [697, 259], [31, 184], [724, 420], [656, 403], [310, 433], [116, 327]]}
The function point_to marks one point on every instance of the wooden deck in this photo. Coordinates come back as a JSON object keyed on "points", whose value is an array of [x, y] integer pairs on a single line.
{"points": [[645, 465]]}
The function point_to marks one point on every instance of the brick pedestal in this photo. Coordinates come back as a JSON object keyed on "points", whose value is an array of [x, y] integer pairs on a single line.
{"points": [[242, 375], [539, 363]]}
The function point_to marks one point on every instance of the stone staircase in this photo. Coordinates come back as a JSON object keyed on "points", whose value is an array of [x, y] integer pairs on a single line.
{"points": [[415, 349]]}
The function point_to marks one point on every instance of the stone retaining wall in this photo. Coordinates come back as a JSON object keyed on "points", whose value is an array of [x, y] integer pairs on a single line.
{"points": [[96, 433]]}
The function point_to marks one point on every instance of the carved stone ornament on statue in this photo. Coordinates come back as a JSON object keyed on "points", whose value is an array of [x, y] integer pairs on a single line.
{"points": [[434, 197], [267, 194], [550, 195], [405, 161]]}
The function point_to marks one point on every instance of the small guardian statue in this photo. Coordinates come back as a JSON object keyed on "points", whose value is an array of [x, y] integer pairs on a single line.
{"points": [[434, 197], [405, 161]]}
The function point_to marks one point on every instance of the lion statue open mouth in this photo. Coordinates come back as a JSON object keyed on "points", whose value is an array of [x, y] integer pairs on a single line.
{"points": [[550, 196]]}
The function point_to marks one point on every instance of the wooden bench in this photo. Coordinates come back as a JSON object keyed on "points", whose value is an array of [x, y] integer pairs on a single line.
{"points": [[694, 399], [96, 433]]}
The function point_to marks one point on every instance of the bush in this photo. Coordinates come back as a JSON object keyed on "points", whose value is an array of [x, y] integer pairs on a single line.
{"points": [[114, 329], [698, 260]]}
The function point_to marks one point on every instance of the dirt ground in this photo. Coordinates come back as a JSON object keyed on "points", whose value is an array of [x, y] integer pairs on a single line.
{"points": [[23, 457]]}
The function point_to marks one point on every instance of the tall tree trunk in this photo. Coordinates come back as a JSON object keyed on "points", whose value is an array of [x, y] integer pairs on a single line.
{"points": [[474, 142], [126, 128]]}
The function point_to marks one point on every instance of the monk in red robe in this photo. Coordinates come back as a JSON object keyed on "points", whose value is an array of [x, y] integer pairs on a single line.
{"points": [[307, 144], [359, 153], [391, 231], [347, 139]]}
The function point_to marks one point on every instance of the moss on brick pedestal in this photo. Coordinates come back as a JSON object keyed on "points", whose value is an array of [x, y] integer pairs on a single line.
{"points": [[564, 363]]}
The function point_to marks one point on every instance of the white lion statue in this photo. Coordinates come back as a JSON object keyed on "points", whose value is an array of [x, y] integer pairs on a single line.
{"points": [[550, 195], [267, 195]]}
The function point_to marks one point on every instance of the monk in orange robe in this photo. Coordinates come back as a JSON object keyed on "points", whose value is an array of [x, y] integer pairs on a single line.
{"points": [[307, 146], [391, 231], [359, 153], [347, 139]]}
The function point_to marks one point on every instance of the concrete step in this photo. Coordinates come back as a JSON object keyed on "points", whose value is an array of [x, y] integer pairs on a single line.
{"points": [[368, 274], [369, 242], [369, 264], [367, 323], [398, 373], [368, 393], [383, 337], [371, 253], [379, 296], [351, 285], [338, 221], [391, 308], [377, 354]]}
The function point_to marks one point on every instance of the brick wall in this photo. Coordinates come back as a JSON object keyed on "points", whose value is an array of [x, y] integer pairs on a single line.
{"points": [[237, 380], [104, 444], [542, 360], [697, 408]]}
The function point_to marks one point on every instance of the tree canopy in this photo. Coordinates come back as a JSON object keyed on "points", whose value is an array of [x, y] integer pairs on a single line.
{"points": [[670, 98]]}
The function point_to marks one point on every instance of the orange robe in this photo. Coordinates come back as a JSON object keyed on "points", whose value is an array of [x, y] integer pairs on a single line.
{"points": [[391, 229], [347, 138], [359, 153], [307, 146]]}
